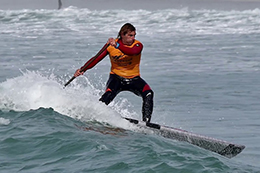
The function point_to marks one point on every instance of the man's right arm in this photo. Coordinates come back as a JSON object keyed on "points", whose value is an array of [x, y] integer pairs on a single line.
{"points": [[92, 62]]}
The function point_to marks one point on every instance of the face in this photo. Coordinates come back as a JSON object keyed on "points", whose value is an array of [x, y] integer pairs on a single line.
{"points": [[129, 38]]}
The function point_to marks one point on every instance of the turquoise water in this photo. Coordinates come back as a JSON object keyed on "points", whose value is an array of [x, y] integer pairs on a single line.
{"points": [[43, 140], [203, 66]]}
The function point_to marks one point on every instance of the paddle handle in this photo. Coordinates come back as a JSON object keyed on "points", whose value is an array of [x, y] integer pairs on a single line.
{"points": [[71, 79]]}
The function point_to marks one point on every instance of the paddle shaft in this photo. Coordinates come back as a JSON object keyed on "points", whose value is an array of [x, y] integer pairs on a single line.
{"points": [[86, 66]]}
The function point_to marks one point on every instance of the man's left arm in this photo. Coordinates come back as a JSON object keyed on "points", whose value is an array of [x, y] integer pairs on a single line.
{"points": [[134, 50]]}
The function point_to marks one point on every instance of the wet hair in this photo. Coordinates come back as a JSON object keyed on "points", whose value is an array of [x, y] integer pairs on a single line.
{"points": [[125, 29]]}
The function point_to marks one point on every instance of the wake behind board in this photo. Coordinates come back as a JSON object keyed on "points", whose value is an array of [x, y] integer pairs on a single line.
{"points": [[221, 147]]}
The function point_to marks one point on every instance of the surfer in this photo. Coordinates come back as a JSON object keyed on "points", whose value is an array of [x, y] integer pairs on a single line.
{"points": [[125, 55], [60, 4]]}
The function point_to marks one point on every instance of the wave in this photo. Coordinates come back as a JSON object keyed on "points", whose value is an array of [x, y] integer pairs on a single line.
{"points": [[167, 21], [33, 90], [48, 140], [33, 107]]}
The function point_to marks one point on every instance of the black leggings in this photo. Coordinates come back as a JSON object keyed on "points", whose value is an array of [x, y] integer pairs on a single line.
{"points": [[137, 85]]}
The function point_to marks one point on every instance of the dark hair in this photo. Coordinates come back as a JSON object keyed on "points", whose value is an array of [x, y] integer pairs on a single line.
{"points": [[125, 29]]}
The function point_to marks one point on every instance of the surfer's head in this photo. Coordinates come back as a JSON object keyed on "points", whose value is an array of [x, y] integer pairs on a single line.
{"points": [[127, 34]]}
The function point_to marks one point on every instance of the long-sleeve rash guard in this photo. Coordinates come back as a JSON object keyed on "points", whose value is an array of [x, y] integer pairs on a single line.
{"points": [[125, 60]]}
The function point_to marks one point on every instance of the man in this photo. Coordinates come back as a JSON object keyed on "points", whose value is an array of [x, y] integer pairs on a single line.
{"points": [[60, 4], [125, 56]]}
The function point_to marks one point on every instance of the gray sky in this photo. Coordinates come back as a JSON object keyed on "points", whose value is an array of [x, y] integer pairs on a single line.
{"points": [[131, 5]]}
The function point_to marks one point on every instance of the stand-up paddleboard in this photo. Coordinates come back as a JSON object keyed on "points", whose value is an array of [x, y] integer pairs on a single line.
{"points": [[221, 147]]}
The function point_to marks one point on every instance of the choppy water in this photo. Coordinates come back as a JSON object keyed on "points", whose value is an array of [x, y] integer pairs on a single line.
{"points": [[203, 66]]}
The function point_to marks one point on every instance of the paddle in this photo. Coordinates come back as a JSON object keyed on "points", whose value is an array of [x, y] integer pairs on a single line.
{"points": [[86, 66]]}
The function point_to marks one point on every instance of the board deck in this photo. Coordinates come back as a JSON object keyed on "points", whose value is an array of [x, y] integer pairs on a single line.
{"points": [[221, 147]]}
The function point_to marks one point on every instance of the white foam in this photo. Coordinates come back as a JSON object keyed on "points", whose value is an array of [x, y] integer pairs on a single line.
{"points": [[4, 121], [32, 90]]}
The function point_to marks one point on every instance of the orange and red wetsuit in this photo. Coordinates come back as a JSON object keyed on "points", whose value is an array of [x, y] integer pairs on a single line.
{"points": [[125, 74]]}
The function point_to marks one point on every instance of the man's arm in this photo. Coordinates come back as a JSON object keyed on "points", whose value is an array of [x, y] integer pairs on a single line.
{"points": [[135, 50], [93, 61]]}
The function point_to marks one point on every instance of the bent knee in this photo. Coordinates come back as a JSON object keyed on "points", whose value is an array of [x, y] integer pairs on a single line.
{"points": [[148, 94], [107, 97]]}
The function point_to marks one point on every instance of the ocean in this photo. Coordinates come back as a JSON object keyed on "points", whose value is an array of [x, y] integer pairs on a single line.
{"points": [[202, 64]]}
